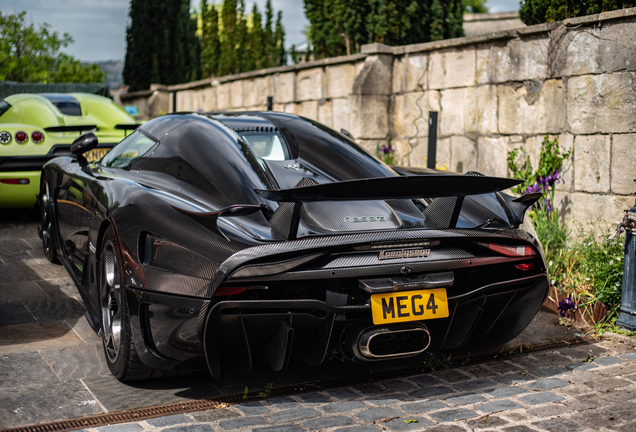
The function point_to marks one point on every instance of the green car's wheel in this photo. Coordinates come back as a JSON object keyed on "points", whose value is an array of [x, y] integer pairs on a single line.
{"points": [[46, 224]]}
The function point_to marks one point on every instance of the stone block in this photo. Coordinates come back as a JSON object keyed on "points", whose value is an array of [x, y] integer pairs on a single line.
{"points": [[309, 84], [339, 80], [451, 118], [492, 156], [452, 415], [566, 144], [602, 103], [284, 87], [503, 392], [294, 415], [466, 399], [547, 384], [419, 152], [242, 422], [519, 60], [343, 394], [249, 93], [327, 422], [534, 108], [410, 73], [292, 108], [415, 423], [374, 414], [428, 392], [262, 89], [422, 407], [375, 76], [208, 99], [606, 361], [388, 399], [592, 155], [499, 405], [578, 53], [325, 112], [475, 385], [463, 153], [368, 116], [549, 372], [450, 69], [442, 154], [309, 109], [540, 398], [623, 164], [285, 402], [223, 99], [340, 407], [169, 420], [190, 428], [410, 113], [313, 398], [253, 408], [398, 385], [580, 367], [236, 92], [618, 49], [481, 110], [341, 112]]}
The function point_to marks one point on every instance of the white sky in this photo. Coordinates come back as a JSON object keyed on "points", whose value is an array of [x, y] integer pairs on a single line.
{"points": [[99, 26]]}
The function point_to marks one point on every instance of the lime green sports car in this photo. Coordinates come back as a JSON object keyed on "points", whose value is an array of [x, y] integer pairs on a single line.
{"points": [[37, 127]]}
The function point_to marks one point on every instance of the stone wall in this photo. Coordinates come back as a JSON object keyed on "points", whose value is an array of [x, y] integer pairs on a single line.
{"points": [[476, 24], [574, 80]]}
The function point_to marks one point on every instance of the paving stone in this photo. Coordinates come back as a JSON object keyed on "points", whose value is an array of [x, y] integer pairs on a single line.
{"points": [[398, 385], [402, 425], [13, 372], [625, 410], [15, 314], [480, 370], [623, 369], [453, 375], [190, 428], [446, 428], [294, 415], [629, 356], [512, 378], [55, 310], [284, 403], [586, 402], [499, 405], [581, 367], [608, 384], [215, 414], [126, 427], [540, 398], [475, 385], [628, 427], [465, 399], [422, 407], [503, 392], [452, 415], [365, 428], [343, 393], [425, 380], [327, 422], [527, 362], [559, 425], [573, 390], [581, 353], [370, 389], [619, 395], [486, 421], [519, 428], [515, 416], [549, 372], [281, 428], [313, 398], [598, 419], [583, 377], [374, 414], [169, 420], [389, 399], [503, 367], [549, 411], [615, 348], [431, 391], [77, 362], [551, 358], [340, 407], [606, 361], [242, 422], [547, 384], [253, 408]]}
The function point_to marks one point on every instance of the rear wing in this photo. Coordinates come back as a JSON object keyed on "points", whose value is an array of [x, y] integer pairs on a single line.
{"points": [[450, 189]]}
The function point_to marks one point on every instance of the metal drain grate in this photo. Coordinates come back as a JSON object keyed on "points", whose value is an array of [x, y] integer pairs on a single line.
{"points": [[225, 401]]}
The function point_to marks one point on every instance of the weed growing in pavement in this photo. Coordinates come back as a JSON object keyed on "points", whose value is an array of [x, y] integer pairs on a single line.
{"points": [[266, 391], [435, 362], [245, 393]]}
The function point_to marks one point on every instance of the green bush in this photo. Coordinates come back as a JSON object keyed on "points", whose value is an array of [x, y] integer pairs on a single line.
{"points": [[541, 11]]}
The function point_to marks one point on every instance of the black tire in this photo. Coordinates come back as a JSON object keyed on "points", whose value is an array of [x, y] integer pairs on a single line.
{"points": [[46, 224], [119, 347]]}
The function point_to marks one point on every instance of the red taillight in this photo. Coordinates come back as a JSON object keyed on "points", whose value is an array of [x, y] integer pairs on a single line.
{"points": [[14, 181], [21, 137], [37, 137], [228, 291], [510, 251], [525, 267]]}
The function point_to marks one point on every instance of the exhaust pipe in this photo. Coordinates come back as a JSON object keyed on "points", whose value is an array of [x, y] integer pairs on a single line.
{"points": [[404, 340]]}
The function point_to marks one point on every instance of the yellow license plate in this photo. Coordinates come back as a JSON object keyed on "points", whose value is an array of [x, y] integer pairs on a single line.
{"points": [[96, 154], [406, 306]]}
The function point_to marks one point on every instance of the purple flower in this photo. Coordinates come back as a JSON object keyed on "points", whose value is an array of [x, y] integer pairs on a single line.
{"points": [[565, 305], [386, 149]]}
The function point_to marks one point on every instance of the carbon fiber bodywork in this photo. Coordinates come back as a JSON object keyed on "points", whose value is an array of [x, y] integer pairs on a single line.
{"points": [[226, 259]]}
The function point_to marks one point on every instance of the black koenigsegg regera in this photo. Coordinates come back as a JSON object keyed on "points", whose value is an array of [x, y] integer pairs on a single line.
{"points": [[209, 238]]}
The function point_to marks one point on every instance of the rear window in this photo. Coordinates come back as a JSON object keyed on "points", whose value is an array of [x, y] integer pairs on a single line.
{"points": [[69, 108], [268, 146], [4, 107], [128, 151]]}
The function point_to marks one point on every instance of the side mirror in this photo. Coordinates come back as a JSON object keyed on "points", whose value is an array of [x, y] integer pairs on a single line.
{"points": [[84, 143]]}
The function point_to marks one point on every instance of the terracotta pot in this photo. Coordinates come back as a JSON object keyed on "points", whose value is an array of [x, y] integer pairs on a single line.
{"points": [[588, 315]]}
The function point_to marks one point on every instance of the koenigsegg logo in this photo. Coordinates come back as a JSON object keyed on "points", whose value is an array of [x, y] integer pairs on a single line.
{"points": [[404, 253], [365, 219]]}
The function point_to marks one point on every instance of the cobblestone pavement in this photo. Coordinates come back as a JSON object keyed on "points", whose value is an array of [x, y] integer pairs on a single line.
{"points": [[52, 367]]}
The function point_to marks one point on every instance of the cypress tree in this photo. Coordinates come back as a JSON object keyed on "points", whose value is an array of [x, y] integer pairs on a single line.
{"points": [[257, 48], [210, 45], [279, 34], [269, 37]]}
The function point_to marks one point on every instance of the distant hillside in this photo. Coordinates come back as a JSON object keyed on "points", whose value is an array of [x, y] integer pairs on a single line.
{"points": [[115, 73]]}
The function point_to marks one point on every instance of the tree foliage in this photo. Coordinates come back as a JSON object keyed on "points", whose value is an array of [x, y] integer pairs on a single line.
{"points": [[475, 6], [30, 54], [162, 46], [339, 27], [541, 11], [233, 41]]}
